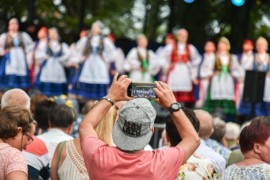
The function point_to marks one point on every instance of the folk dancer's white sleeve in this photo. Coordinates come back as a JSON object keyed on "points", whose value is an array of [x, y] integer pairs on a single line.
{"points": [[119, 60], [2, 44], [132, 62], [63, 59], [77, 56], [109, 52], [41, 52], [154, 66], [207, 67], [236, 70], [164, 58], [195, 61], [28, 42]]}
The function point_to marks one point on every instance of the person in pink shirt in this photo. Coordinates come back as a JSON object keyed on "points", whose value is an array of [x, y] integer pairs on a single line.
{"points": [[132, 132], [17, 129]]}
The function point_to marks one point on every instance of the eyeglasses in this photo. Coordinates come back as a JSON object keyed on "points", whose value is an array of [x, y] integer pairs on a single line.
{"points": [[29, 138]]}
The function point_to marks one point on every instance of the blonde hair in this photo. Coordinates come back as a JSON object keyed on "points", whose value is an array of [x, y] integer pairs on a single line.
{"points": [[226, 41], [263, 40], [105, 127], [141, 36]]}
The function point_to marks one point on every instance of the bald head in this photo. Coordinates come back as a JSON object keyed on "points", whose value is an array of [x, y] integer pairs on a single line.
{"points": [[15, 97], [206, 123]]}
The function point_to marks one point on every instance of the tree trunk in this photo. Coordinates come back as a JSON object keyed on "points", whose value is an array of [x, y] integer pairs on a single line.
{"points": [[171, 16]]}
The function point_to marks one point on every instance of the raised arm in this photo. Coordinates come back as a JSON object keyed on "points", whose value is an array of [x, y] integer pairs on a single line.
{"points": [[190, 139], [117, 92]]}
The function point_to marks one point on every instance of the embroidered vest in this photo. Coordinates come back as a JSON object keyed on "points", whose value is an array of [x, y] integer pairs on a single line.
{"points": [[10, 42], [176, 57], [144, 61], [50, 52], [259, 66], [88, 49], [218, 64]]}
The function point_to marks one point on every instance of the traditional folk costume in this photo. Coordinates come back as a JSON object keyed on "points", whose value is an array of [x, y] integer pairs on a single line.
{"points": [[92, 79], [51, 79], [247, 63], [39, 55], [222, 87], [205, 73], [262, 63], [117, 65], [14, 72], [142, 65], [182, 68]]}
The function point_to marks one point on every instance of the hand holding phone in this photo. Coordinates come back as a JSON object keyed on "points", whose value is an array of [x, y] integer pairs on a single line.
{"points": [[141, 90]]}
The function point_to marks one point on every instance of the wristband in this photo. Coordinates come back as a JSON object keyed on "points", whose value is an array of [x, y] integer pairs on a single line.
{"points": [[108, 99]]}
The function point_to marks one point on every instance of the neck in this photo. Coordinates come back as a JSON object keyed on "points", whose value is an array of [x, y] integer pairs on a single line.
{"points": [[65, 130], [2, 141], [251, 158]]}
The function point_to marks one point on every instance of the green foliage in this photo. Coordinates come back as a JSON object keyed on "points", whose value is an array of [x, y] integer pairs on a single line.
{"points": [[205, 19]]}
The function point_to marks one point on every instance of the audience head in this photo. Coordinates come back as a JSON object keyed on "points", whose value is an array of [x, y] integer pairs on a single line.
{"points": [[255, 139], [134, 126], [15, 97], [219, 129], [35, 99], [87, 107], [232, 133], [43, 113], [232, 130], [17, 126], [63, 118], [63, 99], [171, 130], [261, 120], [206, 124]]}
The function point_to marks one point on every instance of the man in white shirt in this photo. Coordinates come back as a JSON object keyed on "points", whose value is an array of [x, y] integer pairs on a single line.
{"points": [[61, 125]]}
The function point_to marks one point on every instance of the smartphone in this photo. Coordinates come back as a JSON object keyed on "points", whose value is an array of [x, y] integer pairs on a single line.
{"points": [[141, 90]]}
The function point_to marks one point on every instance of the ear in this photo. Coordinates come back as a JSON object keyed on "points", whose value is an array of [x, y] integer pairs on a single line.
{"points": [[257, 148], [153, 130], [19, 129]]}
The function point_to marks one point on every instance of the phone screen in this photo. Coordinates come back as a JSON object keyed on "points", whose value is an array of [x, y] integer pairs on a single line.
{"points": [[142, 90]]}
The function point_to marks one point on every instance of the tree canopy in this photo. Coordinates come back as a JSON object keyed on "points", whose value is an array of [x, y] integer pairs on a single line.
{"points": [[208, 19]]}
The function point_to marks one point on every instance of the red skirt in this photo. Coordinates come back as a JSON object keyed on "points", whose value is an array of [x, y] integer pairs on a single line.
{"points": [[184, 96]]}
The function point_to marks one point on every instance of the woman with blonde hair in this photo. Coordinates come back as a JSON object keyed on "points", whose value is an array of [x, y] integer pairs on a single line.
{"points": [[68, 162], [222, 87]]}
